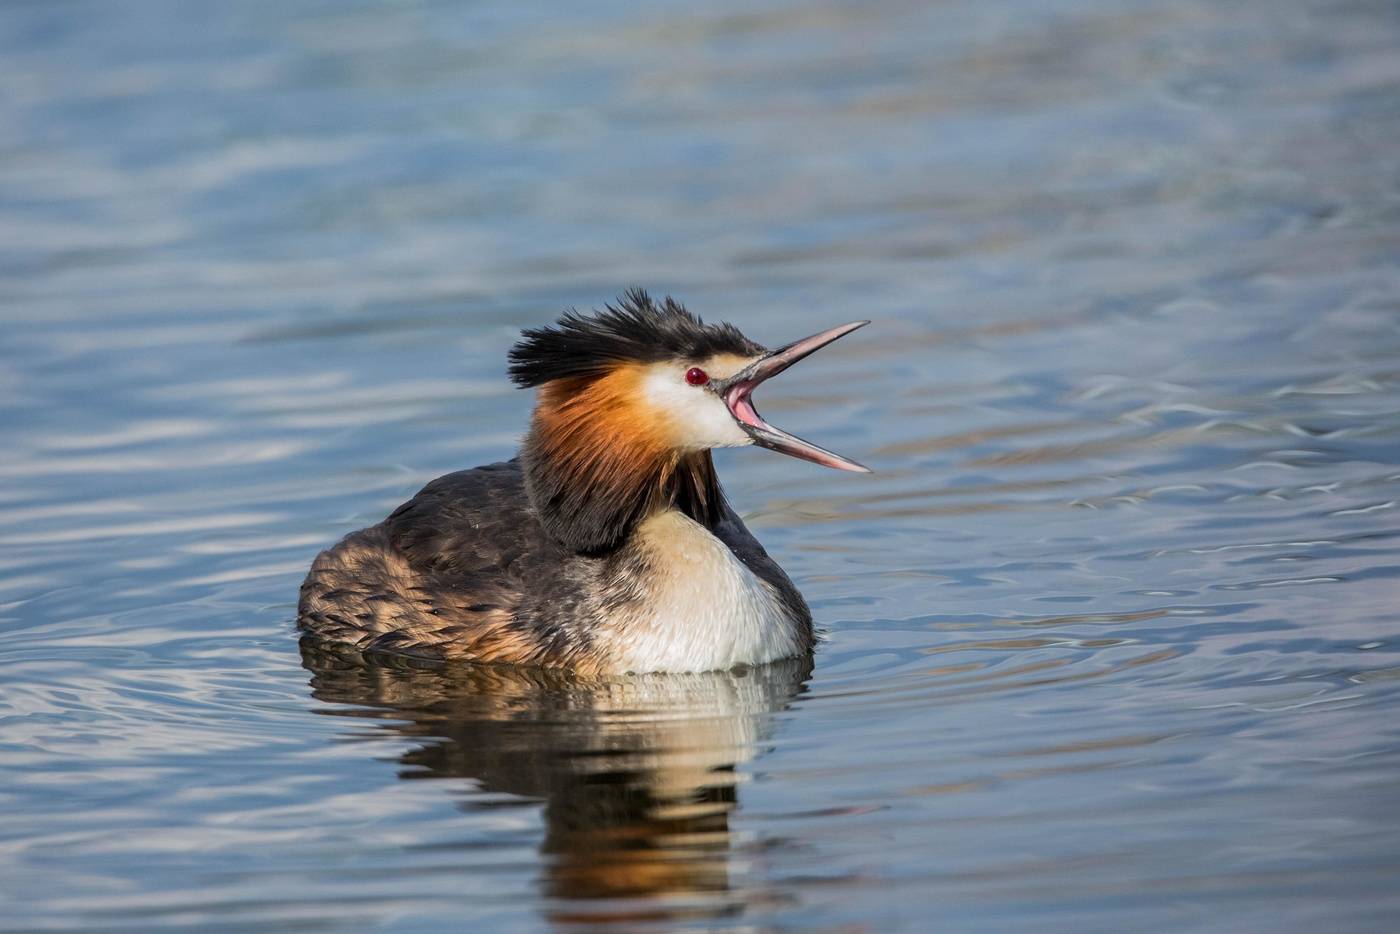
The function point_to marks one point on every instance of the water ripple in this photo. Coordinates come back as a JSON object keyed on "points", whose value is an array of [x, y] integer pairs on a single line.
{"points": [[1109, 638]]}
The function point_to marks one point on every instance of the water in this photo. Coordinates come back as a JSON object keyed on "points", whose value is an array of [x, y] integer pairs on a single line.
{"points": [[1111, 635]]}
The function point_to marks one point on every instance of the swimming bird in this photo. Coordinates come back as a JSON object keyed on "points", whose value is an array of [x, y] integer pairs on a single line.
{"points": [[607, 545]]}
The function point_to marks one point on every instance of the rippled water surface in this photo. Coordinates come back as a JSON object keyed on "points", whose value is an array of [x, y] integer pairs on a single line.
{"points": [[1111, 635]]}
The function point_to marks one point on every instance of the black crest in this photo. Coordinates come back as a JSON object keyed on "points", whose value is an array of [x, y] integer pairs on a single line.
{"points": [[636, 330]]}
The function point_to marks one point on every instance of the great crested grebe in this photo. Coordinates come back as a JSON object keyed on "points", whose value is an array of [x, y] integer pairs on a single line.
{"points": [[607, 545]]}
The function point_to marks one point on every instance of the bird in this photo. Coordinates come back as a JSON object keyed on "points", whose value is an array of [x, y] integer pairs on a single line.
{"points": [[607, 545]]}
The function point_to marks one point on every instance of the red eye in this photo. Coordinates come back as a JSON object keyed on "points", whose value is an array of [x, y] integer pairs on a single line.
{"points": [[696, 376]]}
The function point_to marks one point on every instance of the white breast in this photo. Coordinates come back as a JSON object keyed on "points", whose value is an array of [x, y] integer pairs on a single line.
{"points": [[703, 610]]}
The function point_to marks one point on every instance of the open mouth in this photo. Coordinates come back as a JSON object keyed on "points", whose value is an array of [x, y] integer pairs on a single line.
{"points": [[737, 393]]}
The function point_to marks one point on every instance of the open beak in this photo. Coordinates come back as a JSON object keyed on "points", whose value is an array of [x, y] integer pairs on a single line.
{"points": [[737, 392]]}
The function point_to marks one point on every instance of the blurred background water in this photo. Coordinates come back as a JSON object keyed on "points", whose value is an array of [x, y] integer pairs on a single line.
{"points": [[1112, 640]]}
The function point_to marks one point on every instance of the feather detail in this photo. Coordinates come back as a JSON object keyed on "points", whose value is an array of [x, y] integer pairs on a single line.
{"points": [[635, 330], [597, 461]]}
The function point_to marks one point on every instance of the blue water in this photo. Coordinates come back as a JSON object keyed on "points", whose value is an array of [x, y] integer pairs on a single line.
{"points": [[1111, 635]]}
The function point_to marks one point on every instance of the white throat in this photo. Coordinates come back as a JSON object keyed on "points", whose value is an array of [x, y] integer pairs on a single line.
{"points": [[702, 609]]}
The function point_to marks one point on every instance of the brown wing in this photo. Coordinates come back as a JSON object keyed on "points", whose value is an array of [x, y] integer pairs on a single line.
{"points": [[443, 577]]}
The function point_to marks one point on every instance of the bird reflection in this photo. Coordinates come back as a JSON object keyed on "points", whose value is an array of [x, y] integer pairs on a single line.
{"points": [[637, 773]]}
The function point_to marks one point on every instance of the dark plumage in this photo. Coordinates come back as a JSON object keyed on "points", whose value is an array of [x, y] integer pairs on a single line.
{"points": [[635, 330], [466, 570]]}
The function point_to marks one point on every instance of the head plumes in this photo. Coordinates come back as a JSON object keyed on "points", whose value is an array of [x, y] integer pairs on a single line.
{"points": [[631, 400], [635, 330]]}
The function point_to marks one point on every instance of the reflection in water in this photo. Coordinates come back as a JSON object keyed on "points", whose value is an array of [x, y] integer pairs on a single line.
{"points": [[1113, 630], [637, 773]]}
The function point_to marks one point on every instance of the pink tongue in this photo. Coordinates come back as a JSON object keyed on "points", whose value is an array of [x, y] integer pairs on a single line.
{"points": [[744, 411]]}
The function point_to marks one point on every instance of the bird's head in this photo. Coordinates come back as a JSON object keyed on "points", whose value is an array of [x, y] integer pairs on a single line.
{"points": [[633, 394], [652, 370]]}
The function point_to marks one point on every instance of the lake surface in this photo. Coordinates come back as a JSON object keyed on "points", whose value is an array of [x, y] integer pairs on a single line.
{"points": [[1111, 635]]}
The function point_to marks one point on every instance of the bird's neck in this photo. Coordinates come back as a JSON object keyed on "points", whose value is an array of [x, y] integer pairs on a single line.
{"points": [[592, 479]]}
